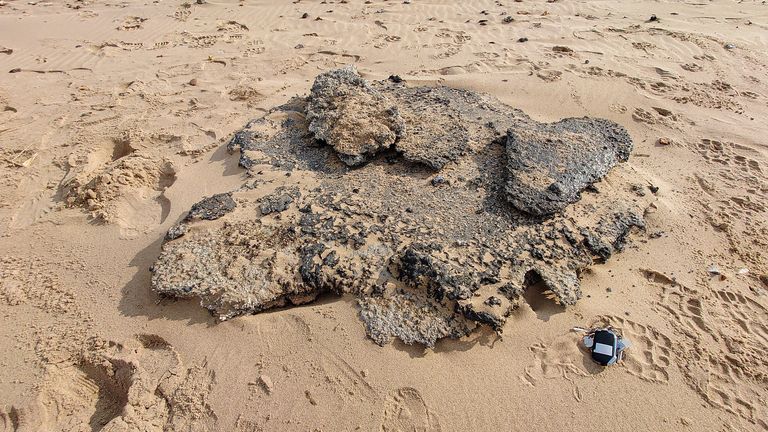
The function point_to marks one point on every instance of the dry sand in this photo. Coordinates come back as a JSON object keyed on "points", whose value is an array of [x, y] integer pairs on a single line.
{"points": [[148, 94]]}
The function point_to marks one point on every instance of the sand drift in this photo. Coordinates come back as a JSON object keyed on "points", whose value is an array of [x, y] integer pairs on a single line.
{"points": [[436, 207]]}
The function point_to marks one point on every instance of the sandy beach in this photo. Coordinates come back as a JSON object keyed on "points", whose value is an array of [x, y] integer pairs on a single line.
{"points": [[115, 120]]}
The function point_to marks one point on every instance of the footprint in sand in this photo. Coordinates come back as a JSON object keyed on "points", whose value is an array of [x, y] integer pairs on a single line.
{"points": [[255, 47], [557, 359], [692, 67], [730, 374], [730, 154], [231, 27], [453, 41], [722, 348], [549, 75], [131, 23], [405, 410], [727, 387], [679, 302], [745, 315], [729, 206], [657, 115], [183, 12]]}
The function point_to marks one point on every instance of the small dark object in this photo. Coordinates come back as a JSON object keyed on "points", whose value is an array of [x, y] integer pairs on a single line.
{"points": [[395, 79], [212, 208], [493, 301], [507, 19], [275, 203], [653, 18], [305, 16], [438, 180], [523, 39], [605, 345], [15, 70]]}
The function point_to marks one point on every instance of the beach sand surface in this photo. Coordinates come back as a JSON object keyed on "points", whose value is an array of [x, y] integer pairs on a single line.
{"points": [[148, 94]]}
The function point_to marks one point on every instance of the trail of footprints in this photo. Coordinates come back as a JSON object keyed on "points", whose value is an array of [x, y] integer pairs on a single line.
{"points": [[729, 154], [735, 380], [723, 363], [734, 198], [649, 354]]}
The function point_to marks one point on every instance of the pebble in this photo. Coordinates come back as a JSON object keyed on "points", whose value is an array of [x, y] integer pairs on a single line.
{"points": [[309, 397], [438, 180], [193, 82], [266, 382], [523, 39], [664, 141]]}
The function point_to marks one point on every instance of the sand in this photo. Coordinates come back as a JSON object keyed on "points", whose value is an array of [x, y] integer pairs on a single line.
{"points": [[114, 120]]}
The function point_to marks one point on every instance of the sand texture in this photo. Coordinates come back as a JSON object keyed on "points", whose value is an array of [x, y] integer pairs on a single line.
{"points": [[339, 215]]}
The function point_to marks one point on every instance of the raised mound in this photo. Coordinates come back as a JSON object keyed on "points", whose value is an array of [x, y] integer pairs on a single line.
{"points": [[448, 214]]}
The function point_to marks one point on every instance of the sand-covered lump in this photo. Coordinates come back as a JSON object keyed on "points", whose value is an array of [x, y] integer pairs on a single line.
{"points": [[550, 164], [437, 228], [347, 113]]}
